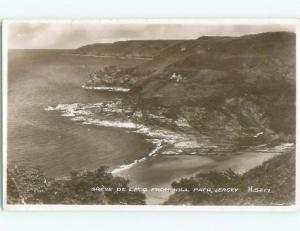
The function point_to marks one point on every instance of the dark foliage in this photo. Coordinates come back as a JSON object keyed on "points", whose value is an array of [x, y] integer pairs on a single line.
{"points": [[30, 186]]}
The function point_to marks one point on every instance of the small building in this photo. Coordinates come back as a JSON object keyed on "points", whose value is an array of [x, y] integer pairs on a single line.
{"points": [[176, 77]]}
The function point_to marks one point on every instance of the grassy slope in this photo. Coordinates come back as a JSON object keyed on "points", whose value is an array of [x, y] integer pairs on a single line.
{"points": [[246, 83], [217, 61]]}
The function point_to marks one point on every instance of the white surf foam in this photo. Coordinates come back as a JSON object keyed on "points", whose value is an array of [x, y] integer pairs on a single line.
{"points": [[128, 166], [104, 88]]}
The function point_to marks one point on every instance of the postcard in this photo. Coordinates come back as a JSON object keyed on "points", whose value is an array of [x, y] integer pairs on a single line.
{"points": [[149, 114]]}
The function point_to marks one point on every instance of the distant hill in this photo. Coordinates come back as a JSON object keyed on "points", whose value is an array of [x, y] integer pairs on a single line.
{"points": [[224, 53], [133, 48]]}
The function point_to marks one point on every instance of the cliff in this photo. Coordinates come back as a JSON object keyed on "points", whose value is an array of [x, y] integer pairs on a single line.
{"points": [[127, 49]]}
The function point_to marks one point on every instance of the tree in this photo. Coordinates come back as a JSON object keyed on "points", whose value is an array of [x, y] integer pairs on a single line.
{"points": [[30, 186]]}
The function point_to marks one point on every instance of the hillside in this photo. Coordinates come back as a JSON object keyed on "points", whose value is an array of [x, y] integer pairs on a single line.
{"points": [[127, 49], [228, 92], [274, 180]]}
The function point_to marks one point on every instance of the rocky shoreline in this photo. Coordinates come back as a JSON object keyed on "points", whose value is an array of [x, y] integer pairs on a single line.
{"points": [[169, 137]]}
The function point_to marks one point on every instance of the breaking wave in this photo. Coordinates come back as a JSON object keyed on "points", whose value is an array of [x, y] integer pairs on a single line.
{"points": [[104, 88]]}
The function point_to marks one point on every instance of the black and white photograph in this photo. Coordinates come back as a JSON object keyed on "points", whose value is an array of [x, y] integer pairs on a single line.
{"points": [[149, 114]]}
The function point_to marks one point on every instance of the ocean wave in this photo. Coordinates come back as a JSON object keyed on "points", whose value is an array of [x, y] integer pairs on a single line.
{"points": [[111, 123], [128, 166], [104, 88]]}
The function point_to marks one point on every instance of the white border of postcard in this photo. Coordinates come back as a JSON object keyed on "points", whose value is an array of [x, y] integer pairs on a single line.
{"points": [[144, 207]]}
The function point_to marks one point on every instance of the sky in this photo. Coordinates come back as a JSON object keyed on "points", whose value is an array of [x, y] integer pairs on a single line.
{"points": [[71, 35]]}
